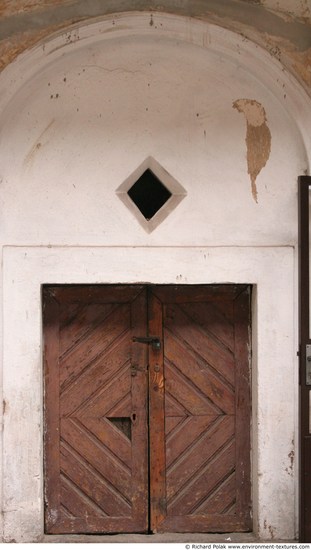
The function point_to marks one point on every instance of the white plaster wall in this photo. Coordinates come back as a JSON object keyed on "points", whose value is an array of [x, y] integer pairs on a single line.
{"points": [[100, 105], [273, 426], [77, 116]]}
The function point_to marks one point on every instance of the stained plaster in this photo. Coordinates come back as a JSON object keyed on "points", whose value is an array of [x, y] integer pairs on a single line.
{"points": [[283, 29]]}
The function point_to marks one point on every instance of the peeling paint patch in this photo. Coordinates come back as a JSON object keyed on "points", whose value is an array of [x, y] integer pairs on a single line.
{"points": [[9, 7], [258, 138], [302, 65], [291, 457], [270, 528]]}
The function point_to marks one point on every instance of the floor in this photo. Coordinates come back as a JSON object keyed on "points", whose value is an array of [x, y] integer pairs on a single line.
{"points": [[158, 538]]}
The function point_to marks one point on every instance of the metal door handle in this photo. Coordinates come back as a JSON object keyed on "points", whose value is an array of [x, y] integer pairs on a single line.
{"points": [[153, 340]]}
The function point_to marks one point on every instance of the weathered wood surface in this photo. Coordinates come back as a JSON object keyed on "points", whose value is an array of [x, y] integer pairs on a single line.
{"points": [[207, 409], [100, 427], [96, 457]]}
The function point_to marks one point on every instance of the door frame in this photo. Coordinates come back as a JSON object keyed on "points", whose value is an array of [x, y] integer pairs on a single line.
{"points": [[273, 311], [304, 186]]}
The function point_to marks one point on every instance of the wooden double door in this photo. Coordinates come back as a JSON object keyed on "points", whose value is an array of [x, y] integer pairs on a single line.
{"points": [[147, 408]]}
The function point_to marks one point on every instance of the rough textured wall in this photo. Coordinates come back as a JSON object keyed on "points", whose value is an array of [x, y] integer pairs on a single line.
{"points": [[283, 28]]}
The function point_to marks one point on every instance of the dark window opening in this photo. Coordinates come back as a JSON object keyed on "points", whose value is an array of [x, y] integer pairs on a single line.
{"points": [[149, 194], [123, 424]]}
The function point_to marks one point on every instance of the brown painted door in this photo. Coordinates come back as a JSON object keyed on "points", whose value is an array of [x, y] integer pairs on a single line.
{"points": [[200, 409], [98, 425], [96, 454]]}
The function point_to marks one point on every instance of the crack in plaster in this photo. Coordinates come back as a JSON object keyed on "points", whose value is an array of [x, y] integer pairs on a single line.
{"points": [[37, 145], [258, 138]]}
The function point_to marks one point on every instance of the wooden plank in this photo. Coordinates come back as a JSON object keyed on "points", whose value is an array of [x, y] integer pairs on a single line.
{"points": [[186, 393], [102, 475], [171, 422], [139, 414], [156, 419], [202, 363], [96, 376], [94, 525], [197, 457], [221, 499], [203, 483], [97, 340], [179, 294], [199, 341], [77, 321], [90, 483], [173, 407], [102, 401], [100, 294], [207, 388], [243, 405], [98, 456], [111, 437], [216, 318], [73, 501], [215, 523], [184, 434], [51, 409]]}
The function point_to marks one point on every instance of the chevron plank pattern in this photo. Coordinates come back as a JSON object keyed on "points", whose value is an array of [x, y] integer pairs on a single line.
{"points": [[202, 421], [94, 361], [96, 427], [96, 477], [199, 372]]}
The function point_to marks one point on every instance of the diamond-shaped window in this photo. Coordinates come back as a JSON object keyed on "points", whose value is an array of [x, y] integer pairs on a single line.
{"points": [[151, 193]]}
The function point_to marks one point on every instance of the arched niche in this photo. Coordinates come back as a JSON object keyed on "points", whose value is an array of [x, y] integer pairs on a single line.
{"points": [[80, 114]]}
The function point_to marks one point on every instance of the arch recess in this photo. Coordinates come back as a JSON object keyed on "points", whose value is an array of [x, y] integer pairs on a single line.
{"points": [[79, 114]]}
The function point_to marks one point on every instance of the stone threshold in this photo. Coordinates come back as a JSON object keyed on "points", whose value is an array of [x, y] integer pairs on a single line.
{"points": [[239, 538]]}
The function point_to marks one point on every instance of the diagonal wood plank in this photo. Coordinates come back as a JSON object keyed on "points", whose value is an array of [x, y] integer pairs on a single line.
{"points": [[107, 397], [97, 488], [171, 422], [97, 456], [98, 378], [173, 407], [222, 498], [96, 341], [111, 437], [65, 512], [185, 436], [121, 408], [76, 502], [203, 358], [218, 357], [101, 473], [198, 455], [210, 317], [203, 483], [78, 321], [187, 393], [219, 396]]}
